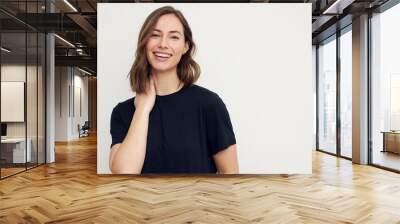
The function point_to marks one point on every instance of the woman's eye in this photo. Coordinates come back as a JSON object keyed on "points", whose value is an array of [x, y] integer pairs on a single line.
{"points": [[175, 37], [155, 35]]}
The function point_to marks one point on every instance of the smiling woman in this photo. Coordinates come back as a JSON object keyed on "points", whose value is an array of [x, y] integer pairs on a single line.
{"points": [[171, 125], [166, 44]]}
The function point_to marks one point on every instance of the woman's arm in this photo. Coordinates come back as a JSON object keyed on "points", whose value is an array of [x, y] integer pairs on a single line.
{"points": [[226, 161], [128, 157]]}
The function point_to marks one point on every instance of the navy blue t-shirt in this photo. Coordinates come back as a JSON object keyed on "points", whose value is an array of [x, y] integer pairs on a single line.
{"points": [[186, 129]]}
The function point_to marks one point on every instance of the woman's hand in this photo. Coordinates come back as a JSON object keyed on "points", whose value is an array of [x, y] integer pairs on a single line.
{"points": [[144, 102], [128, 156]]}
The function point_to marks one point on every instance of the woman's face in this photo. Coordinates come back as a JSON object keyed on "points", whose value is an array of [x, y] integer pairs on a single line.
{"points": [[166, 44]]}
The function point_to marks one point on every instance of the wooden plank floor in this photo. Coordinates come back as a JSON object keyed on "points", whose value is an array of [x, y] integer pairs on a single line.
{"points": [[70, 191]]}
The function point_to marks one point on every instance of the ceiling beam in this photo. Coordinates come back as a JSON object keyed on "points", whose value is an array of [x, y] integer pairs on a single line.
{"points": [[85, 61], [337, 7]]}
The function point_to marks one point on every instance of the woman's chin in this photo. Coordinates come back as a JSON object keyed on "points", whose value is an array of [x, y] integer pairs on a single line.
{"points": [[161, 68]]}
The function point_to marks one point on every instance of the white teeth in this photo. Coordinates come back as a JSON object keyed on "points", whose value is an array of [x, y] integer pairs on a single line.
{"points": [[162, 55]]}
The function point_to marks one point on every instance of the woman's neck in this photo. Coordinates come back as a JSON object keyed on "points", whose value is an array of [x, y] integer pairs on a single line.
{"points": [[166, 82]]}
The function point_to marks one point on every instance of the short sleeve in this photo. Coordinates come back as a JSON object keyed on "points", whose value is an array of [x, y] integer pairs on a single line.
{"points": [[117, 127], [220, 133]]}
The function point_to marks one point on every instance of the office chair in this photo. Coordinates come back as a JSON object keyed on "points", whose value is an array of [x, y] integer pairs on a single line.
{"points": [[84, 130]]}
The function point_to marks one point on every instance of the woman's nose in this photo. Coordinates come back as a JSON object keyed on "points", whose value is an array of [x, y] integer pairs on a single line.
{"points": [[163, 42]]}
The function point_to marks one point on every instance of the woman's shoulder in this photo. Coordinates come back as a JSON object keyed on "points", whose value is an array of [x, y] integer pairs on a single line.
{"points": [[205, 95], [125, 105], [204, 92]]}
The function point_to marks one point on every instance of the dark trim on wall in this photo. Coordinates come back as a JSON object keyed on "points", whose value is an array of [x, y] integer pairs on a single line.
{"points": [[338, 92], [369, 94], [333, 154], [45, 96], [317, 96], [37, 95], [385, 168], [26, 91]]}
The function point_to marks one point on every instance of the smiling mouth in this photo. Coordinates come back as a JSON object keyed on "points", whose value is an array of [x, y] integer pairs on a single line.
{"points": [[162, 55]]}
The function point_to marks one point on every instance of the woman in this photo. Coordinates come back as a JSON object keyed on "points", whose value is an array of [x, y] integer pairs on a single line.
{"points": [[172, 125]]}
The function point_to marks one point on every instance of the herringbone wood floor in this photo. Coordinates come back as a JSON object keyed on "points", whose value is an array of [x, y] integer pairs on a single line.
{"points": [[70, 191]]}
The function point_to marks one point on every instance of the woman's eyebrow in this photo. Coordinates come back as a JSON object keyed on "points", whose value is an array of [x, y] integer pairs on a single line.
{"points": [[175, 31], [172, 31]]}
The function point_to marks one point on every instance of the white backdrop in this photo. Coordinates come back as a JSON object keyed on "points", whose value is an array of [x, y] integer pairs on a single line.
{"points": [[255, 56]]}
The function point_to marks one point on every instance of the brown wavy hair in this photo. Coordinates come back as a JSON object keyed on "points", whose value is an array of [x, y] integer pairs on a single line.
{"points": [[188, 70]]}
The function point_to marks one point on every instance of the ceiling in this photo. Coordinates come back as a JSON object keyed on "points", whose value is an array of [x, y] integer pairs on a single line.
{"points": [[76, 22]]}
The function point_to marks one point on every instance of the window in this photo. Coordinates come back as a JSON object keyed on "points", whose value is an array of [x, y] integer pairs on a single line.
{"points": [[327, 96], [346, 93], [22, 65], [385, 89]]}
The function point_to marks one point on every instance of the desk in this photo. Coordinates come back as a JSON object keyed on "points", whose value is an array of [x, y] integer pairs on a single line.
{"points": [[16, 151], [391, 141]]}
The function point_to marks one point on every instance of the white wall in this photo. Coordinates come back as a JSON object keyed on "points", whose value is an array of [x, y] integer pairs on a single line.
{"points": [[67, 80], [61, 103], [257, 57], [80, 83]]}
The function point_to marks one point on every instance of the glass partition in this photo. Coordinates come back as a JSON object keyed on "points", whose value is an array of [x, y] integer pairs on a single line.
{"points": [[327, 96], [385, 89], [22, 77], [31, 100], [13, 95], [41, 107], [346, 93]]}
